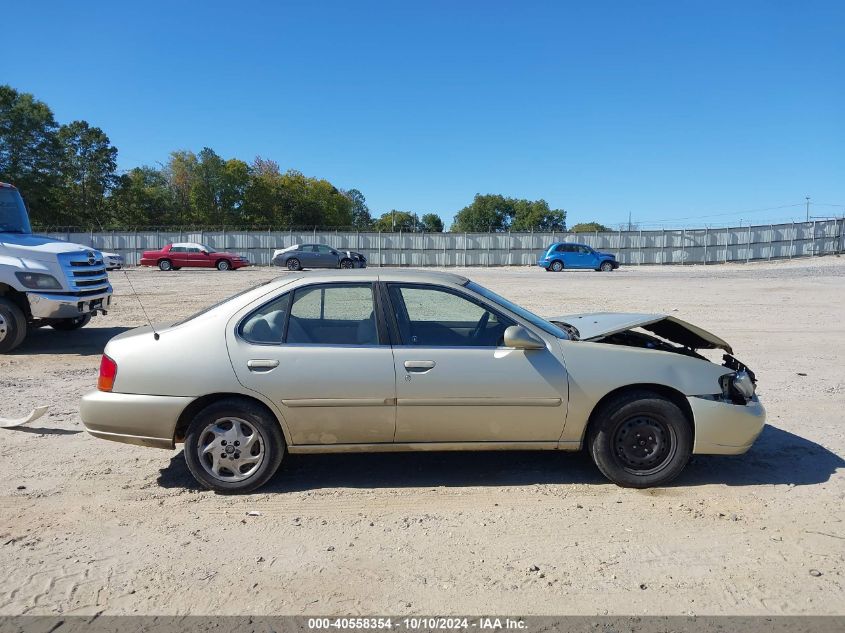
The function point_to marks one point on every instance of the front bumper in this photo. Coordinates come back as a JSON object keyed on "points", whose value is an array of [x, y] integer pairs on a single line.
{"points": [[58, 306], [722, 428], [132, 418]]}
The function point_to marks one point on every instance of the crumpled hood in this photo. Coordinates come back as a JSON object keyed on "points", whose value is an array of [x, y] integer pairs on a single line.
{"points": [[600, 324], [38, 247]]}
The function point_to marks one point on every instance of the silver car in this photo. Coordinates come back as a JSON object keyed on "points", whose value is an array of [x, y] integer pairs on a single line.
{"points": [[409, 360], [301, 256]]}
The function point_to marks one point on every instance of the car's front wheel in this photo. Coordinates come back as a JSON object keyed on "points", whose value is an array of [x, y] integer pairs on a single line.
{"points": [[233, 446], [606, 267], [223, 264], [346, 263], [640, 439]]}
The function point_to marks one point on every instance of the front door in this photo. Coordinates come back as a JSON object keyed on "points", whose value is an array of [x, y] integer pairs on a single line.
{"points": [[320, 354], [456, 382]]}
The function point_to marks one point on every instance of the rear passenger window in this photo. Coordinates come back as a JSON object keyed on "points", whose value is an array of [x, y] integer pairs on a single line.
{"points": [[339, 314], [267, 324]]}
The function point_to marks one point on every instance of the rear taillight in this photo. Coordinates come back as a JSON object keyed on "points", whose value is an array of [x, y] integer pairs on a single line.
{"points": [[108, 371]]}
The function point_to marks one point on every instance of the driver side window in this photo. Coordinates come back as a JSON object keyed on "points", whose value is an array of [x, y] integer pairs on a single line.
{"points": [[437, 317]]}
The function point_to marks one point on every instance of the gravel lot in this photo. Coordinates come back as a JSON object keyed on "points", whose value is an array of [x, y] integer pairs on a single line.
{"points": [[89, 526]]}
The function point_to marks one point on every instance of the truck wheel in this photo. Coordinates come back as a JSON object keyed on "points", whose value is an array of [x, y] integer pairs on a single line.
{"points": [[165, 265], [12, 326], [66, 325]]}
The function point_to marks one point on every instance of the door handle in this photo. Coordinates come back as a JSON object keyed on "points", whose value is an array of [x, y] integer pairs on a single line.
{"points": [[259, 365], [419, 366]]}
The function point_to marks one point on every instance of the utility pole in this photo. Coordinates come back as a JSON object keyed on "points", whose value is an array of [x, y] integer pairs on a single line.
{"points": [[808, 208]]}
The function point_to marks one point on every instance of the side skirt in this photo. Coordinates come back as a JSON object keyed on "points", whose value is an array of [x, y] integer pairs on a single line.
{"points": [[434, 446]]}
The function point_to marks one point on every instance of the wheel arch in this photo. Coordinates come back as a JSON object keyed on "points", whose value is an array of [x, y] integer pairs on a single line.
{"points": [[17, 297], [670, 393], [202, 402]]}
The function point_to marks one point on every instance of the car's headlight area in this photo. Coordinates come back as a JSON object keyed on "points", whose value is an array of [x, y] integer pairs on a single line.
{"points": [[38, 281], [738, 387]]}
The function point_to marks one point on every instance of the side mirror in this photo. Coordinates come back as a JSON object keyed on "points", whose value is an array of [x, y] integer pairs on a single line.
{"points": [[519, 337], [204, 252]]}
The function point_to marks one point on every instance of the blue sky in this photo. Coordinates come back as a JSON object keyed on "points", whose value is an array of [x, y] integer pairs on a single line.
{"points": [[681, 113]]}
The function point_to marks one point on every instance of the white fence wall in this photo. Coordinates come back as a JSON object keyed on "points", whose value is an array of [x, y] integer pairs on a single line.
{"points": [[681, 246]]}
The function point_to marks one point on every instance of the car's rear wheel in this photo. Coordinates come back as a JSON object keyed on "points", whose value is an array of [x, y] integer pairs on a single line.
{"points": [[233, 446], [223, 264], [12, 326], [346, 263], [165, 264], [66, 325], [606, 267], [556, 266], [640, 439], [293, 264]]}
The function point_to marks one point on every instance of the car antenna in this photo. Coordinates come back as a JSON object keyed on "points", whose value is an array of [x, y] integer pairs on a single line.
{"points": [[138, 297]]}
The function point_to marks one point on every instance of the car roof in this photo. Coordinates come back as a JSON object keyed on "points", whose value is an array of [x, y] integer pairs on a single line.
{"points": [[7, 185], [376, 274]]}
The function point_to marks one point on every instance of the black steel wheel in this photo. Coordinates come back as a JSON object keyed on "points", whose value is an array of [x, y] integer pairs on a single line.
{"points": [[640, 439]]}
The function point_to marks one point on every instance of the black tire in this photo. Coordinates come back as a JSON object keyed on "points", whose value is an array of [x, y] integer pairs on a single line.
{"points": [[12, 326], [165, 265], [556, 266], [346, 263], [606, 267], [224, 265], [294, 264], [660, 436], [66, 325], [255, 416], [177, 268]]}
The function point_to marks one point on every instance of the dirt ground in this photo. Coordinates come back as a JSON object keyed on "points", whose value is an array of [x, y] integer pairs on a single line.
{"points": [[89, 526]]}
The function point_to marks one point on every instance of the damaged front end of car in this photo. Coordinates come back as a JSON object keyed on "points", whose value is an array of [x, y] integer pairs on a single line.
{"points": [[664, 333]]}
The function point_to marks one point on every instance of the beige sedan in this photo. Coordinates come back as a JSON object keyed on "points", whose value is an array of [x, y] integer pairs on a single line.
{"points": [[378, 360]]}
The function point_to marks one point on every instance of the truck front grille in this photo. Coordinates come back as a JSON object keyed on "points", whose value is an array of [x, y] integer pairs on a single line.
{"points": [[85, 273]]}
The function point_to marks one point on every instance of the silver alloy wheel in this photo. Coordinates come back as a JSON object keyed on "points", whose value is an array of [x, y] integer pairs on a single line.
{"points": [[165, 265], [4, 328], [557, 266], [606, 267], [222, 265], [231, 449]]}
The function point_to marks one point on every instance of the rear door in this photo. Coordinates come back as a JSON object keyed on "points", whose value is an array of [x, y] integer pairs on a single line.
{"points": [[322, 354], [456, 382], [178, 255]]}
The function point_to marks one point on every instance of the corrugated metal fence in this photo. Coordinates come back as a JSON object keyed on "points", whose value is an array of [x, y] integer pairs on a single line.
{"points": [[677, 246]]}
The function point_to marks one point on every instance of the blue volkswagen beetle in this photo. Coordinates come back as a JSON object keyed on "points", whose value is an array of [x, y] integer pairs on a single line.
{"points": [[567, 255]]}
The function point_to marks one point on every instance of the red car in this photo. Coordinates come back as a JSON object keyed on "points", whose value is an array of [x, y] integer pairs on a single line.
{"points": [[192, 255]]}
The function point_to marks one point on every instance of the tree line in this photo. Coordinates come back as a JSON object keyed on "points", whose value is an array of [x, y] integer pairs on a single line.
{"points": [[68, 176]]}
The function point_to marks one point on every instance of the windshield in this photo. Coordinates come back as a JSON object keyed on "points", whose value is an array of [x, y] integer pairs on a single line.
{"points": [[532, 318], [13, 215]]}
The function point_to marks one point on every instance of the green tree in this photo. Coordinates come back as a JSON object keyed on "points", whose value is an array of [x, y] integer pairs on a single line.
{"points": [[490, 212], [86, 172], [589, 227], [536, 215], [432, 223], [206, 189], [180, 172], [494, 212], [361, 218], [29, 151], [141, 197], [395, 221]]}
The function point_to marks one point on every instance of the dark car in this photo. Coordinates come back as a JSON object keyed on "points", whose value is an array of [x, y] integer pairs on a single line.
{"points": [[568, 255], [317, 256], [192, 255]]}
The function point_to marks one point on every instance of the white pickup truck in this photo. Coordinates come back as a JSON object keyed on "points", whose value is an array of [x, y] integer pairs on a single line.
{"points": [[44, 281]]}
